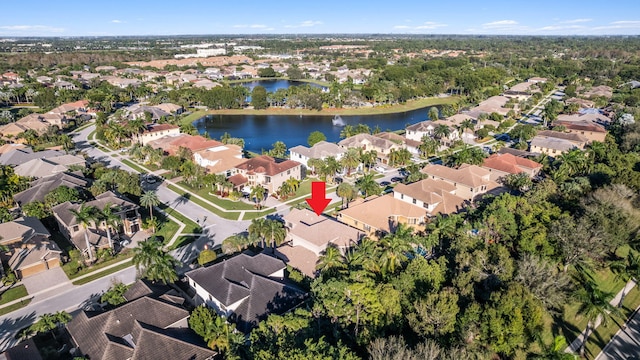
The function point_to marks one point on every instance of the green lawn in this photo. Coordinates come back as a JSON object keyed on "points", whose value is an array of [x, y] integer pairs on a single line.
{"points": [[224, 203], [14, 307], [72, 274], [101, 274], [190, 225], [133, 165], [572, 324], [223, 214], [13, 293], [182, 241], [255, 215], [193, 117]]}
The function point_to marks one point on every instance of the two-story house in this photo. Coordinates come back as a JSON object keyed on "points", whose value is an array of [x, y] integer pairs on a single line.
{"points": [[266, 171], [554, 143], [320, 150], [501, 165], [219, 159], [367, 142], [309, 235], [130, 220], [245, 288], [469, 180], [591, 130], [154, 132]]}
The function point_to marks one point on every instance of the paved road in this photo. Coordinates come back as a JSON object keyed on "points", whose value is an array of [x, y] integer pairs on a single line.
{"points": [[625, 345], [216, 229], [67, 299]]}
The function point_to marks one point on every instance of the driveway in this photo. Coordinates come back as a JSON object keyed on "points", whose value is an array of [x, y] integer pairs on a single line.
{"points": [[46, 280], [625, 345]]}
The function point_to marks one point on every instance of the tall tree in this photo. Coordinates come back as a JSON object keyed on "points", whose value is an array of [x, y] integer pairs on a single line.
{"points": [[86, 216], [350, 160], [315, 137], [150, 199], [368, 185], [154, 263], [110, 220]]}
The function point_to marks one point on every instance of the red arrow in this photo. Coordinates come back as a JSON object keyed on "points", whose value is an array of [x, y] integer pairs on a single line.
{"points": [[318, 200]]}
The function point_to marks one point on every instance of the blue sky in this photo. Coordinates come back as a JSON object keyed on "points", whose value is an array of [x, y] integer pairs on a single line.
{"points": [[160, 17]]}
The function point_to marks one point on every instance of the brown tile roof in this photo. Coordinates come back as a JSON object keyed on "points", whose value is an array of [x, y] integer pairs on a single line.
{"points": [[377, 211], [432, 191], [267, 165], [23, 229], [581, 125], [398, 139], [320, 150], [10, 147], [226, 157], [298, 257], [470, 175], [320, 230], [359, 139], [194, 143], [575, 138], [37, 251], [238, 179], [160, 127], [509, 163]]}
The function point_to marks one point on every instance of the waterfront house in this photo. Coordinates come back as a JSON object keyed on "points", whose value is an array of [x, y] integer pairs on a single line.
{"points": [[220, 159], [320, 150], [469, 180], [154, 132], [367, 142], [265, 171], [500, 165]]}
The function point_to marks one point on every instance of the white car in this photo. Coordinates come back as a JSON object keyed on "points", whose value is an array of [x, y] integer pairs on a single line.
{"points": [[380, 169]]}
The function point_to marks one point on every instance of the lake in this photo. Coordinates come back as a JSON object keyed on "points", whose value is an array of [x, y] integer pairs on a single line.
{"points": [[261, 131]]}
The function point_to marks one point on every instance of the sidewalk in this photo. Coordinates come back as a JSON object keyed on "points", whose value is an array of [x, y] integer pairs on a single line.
{"points": [[58, 286], [577, 343]]}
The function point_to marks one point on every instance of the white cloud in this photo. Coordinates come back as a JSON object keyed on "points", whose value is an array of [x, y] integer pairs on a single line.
{"points": [[307, 23], [561, 27], [621, 24], [576, 21], [117, 21], [31, 29], [500, 24]]}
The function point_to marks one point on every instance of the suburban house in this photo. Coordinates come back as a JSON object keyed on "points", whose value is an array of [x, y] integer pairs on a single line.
{"points": [[379, 215], [220, 159], [556, 142], [469, 180], [38, 189], [493, 104], [151, 326], [10, 147], [170, 108], [500, 165], [21, 156], [30, 250], [140, 111], [266, 171], [24, 350], [589, 129], [245, 288], [411, 145], [155, 131], [130, 220], [78, 107], [172, 143], [309, 235], [419, 130], [320, 150], [368, 142], [41, 168], [434, 196]]}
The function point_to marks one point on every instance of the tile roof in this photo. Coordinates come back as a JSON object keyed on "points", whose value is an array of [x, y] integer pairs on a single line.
{"points": [[581, 125], [267, 165], [554, 143], [136, 330], [377, 211], [38, 189], [160, 127], [423, 126], [509, 163], [37, 251], [22, 228], [320, 230], [10, 147], [470, 175], [25, 350], [299, 257], [432, 192], [21, 156], [320, 150], [398, 139], [108, 197], [359, 139], [226, 157], [39, 168], [574, 138], [247, 277]]}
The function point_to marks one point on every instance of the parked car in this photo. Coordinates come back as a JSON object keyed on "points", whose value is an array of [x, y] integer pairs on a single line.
{"points": [[385, 183], [396, 179], [380, 169]]}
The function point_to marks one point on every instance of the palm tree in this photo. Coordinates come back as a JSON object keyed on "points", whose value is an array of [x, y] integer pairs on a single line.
{"points": [[368, 158], [395, 246], [150, 199], [153, 262], [428, 146], [350, 160], [109, 220], [85, 216], [368, 185], [235, 243], [627, 269], [441, 131], [276, 233], [346, 191], [258, 229], [315, 164], [293, 183], [466, 124], [331, 262], [331, 167], [257, 193], [594, 304], [574, 161], [433, 113]]}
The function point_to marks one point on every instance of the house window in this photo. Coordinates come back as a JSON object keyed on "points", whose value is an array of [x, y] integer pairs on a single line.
{"points": [[367, 228], [267, 179], [288, 172], [415, 201], [425, 205], [75, 228], [401, 196]]}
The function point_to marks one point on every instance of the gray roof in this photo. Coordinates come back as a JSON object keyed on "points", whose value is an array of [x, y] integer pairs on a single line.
{"points": [[39, 168], [320, 150], [140, 329], [41, 187], [358, 139], [422, 126], [26, 350], [109, 197], [552, 143], [23, 228], [247, 276], [37, 251], [21, 156]]}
